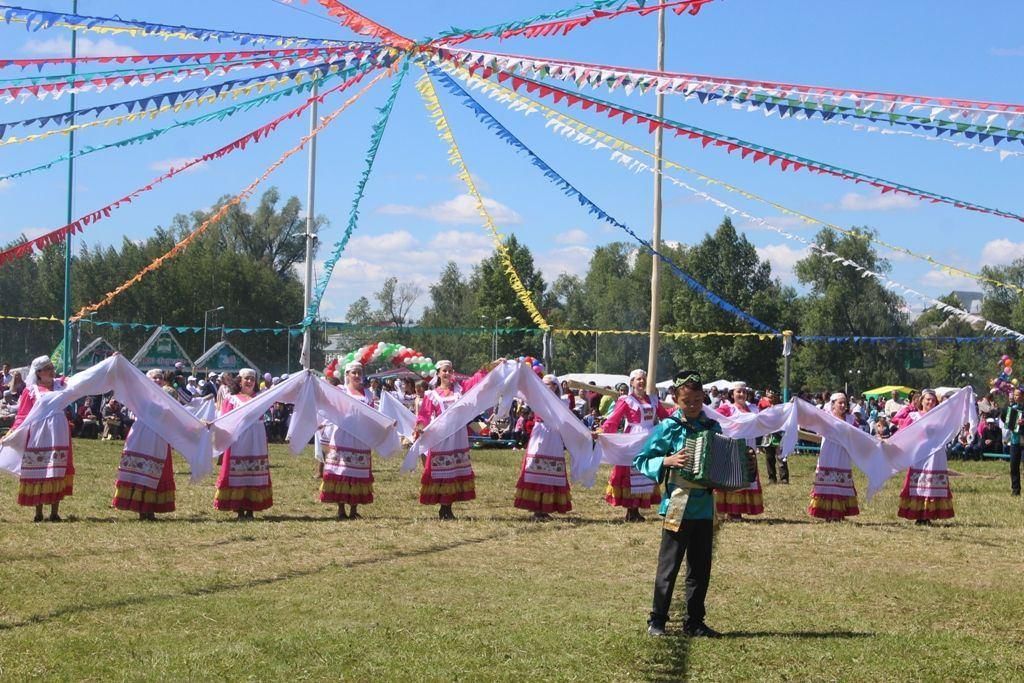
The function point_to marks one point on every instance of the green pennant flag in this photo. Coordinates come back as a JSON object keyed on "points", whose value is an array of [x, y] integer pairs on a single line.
{"points": [[57, 357]]}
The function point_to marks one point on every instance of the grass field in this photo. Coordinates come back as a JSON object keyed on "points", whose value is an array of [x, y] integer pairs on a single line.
{"points": [[295, 595]]}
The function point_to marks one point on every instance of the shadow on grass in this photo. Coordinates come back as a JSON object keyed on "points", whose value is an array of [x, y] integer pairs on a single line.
{"points": [[769, 521], [798, 634], [672, 657], [228, 586]]}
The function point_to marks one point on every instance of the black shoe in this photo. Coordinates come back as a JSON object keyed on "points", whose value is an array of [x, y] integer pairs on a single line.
{"points": [[1014, 493], [54, 517], [923, 522], [38, 517], [656, 630], [701, 631]]}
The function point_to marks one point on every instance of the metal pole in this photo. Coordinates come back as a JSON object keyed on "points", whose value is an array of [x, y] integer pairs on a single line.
{"points": [[307, 335], [652, 349], [494, 341], [206, 320], [787, 351], [68, 356], [288, 350]]}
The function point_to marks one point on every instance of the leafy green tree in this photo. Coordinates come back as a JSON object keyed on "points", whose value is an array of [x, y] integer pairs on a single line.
{"points": [[842, 303]]}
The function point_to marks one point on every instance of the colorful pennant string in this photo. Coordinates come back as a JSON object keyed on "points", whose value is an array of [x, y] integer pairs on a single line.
{"points": [[55, 90], [559, 23], [569, 190], [150, 114], [215, 218], [599, 139], [731, 144], [704, 91], [315, 53], [218, 115], [376, 135], [361, 24], [57, 236], [177, 96], [433, 105], [562, 27], [37, 20], [669, 334], [830, 99], [504, 134]]}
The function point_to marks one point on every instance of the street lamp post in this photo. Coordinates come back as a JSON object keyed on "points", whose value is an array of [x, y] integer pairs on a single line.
{"points": [[206, 322], [849, 374], [494, 340]]}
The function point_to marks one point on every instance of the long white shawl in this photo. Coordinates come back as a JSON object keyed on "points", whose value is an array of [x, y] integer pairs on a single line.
{"points": [[151, 405]]}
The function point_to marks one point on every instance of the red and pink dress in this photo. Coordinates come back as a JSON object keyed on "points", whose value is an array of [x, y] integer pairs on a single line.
{"points": [[926, 494], [348, 463], [47, 465], [543, 484], [244, 480], [627, 487], [448, 474], [145, 475], [748, 501], [833, 495]]}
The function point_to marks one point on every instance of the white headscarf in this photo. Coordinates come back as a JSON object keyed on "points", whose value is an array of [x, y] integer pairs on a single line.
{"points": [[636, 373], [33, 372], [247, 372], [354, 365], [442, 363]]}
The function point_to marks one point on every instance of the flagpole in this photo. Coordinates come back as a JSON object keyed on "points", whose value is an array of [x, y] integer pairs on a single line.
{"points": [[69, 362], [307, 293], [652, 349]]}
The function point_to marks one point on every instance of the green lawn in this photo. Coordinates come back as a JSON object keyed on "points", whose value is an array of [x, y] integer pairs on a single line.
{"points": [[295, 595]]}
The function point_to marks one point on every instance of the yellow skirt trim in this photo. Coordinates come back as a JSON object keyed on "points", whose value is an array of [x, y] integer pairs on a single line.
{"points": [[136, 493], [32, 492], [253, 494], [544, 497]]}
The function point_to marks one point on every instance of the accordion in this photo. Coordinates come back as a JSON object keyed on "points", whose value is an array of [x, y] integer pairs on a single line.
{"points": [[714, 461]]}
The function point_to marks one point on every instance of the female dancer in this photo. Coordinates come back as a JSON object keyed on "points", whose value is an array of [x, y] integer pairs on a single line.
{"points": [[244, 482], [145, 475], [448, 472], [47, 466], [833, 495], [627, 487], [348, 465], [926, 495], [748, 501], [543, 485]]}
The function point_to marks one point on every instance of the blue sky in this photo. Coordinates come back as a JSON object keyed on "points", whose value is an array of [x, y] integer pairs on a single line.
{"points": [[415, 217]]}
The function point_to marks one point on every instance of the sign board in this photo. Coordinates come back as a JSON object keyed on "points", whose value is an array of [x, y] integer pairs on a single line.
{"points": [[97, 351], [223, 357]]}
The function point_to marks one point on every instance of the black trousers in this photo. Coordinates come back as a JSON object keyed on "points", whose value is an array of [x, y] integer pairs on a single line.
{"points": [[769, 459], [1015, 468], [694, 541]]}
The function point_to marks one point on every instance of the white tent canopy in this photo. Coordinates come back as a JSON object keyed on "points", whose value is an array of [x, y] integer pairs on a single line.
{"points": [[720, 384]]}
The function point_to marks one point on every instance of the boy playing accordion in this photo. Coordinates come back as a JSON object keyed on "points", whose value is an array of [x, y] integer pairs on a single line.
{"points": [[688, 510]]}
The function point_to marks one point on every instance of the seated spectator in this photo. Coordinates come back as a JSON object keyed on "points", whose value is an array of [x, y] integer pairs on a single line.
{"points": [[112, 420], [87, 424], [966, 445], [13, 391], [882, 428], [591, 420], [991, 436]]}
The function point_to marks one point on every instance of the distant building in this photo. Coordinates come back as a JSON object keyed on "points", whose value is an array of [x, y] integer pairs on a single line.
{"points": [[969, 301]]}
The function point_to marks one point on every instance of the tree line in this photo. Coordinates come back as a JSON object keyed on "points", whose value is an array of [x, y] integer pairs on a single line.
{"points": [[248, 265]]}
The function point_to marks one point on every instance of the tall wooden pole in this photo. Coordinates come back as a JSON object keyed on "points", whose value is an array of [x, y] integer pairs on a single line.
{"points": [[652, 350], [307, 332]]}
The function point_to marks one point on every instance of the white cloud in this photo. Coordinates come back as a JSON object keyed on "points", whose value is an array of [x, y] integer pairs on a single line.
{"points": [[946, 281], [573, 237], [1006, 51], [852, 201], [6, 184], [1001, 252], [782, 258], [165, 165], [86, 47], [389, 242], [458, 210], [458, 239], [569, 260]]}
